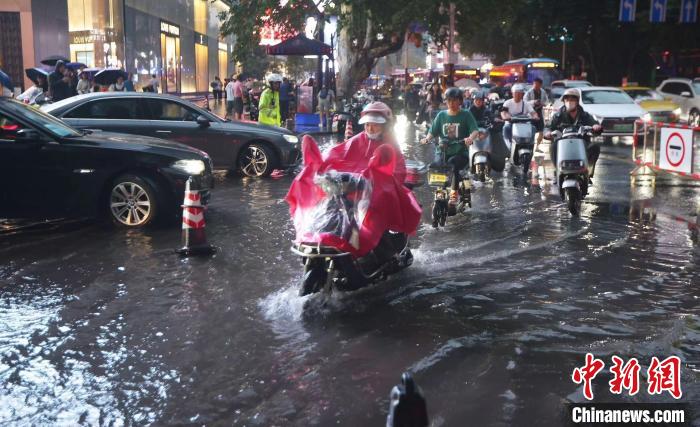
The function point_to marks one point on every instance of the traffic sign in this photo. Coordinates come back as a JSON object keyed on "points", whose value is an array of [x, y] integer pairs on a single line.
{"points": [[657, 13], [627, 10], [676, 150], [689, 11]]}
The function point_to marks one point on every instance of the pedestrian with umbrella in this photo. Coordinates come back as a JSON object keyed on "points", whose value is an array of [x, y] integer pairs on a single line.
{"points": [[56, 76], [111, 77], [53, 60], [83, 84], [39, 77]]}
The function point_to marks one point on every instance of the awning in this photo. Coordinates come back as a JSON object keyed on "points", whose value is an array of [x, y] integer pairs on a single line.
{"points": [[299, 45]]}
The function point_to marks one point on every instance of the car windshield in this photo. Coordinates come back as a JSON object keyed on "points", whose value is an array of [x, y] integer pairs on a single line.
{"points": [[42, 120], [642, 94], [578, 84], [696, 87], [606, 97]]}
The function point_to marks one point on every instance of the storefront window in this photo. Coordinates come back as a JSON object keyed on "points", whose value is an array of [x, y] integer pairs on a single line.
{"points": [[223, 61], [201, 55], [95, 32], [170, 51], [200, 16]]}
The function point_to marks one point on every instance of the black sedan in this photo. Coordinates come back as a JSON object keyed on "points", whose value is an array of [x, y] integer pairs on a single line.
{"points": [[252, 149], [51, 170]]}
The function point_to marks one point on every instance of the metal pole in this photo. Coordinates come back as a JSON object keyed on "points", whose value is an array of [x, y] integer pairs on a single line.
{"points": [[563, 56]]}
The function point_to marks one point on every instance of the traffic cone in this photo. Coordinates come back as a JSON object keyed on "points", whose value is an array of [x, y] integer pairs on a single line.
{"points": [[534, 173], [349, 131], [206, 103], [194, 237]]}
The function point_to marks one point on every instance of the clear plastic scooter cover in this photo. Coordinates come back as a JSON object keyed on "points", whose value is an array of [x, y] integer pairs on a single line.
{"points": [[342, 210]]}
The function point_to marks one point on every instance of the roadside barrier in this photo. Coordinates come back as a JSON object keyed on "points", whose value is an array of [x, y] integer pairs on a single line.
{"points": [[665, 147], [194, 237]]}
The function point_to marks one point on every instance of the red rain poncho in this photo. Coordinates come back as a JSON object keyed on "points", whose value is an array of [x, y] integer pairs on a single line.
{"points": [[350, 198]]}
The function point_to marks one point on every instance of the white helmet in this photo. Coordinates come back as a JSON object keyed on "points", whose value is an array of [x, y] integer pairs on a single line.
{"points": [[518, 87], [274, 77]]}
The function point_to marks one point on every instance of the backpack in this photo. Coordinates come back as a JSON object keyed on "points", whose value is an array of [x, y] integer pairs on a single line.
{"points": [[323, 94]]}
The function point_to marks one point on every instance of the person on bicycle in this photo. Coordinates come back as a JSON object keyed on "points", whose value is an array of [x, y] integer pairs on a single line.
{"points": [[456, 130]]}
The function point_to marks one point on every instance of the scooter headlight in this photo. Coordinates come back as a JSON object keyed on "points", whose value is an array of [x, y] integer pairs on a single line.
{"points": [[571, 164], [647, 117]]}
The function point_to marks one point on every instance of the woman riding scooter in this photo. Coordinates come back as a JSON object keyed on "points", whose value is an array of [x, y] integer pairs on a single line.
{"points": [[456, 129]]}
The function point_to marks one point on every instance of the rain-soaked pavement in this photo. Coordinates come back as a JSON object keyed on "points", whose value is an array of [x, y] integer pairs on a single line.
{"points": [[105, 327]]}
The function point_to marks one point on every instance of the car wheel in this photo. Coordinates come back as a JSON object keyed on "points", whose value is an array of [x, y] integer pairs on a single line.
{"points": [[132, 201], [694, 118], [256, 160]]}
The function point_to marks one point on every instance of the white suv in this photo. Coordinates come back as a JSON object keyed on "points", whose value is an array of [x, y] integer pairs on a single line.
{"points": [[686, 93]]}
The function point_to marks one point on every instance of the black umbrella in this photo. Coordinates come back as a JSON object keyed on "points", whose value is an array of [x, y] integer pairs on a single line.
{"points": [[75, 65], [34, 73], [91, 72], [109, 75], [5, 80], [53, 59]]}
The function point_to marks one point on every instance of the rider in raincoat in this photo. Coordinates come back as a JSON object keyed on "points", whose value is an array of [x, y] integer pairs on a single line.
{"points": [[269, 106]]}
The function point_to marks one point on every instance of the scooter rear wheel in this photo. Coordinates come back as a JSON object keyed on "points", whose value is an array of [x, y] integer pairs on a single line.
{"points": [[525, 163]]}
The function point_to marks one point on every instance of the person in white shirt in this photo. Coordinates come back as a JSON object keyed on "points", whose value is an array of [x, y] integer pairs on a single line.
{"points": [[515, 106], [30, 95], [83, 84], [153, 83]]}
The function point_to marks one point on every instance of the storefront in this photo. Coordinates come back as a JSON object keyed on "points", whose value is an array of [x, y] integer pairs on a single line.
{"points": [[95, 31]]}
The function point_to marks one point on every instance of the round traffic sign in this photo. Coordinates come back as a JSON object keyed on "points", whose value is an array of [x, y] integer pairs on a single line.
{"points": [[675, 149]]}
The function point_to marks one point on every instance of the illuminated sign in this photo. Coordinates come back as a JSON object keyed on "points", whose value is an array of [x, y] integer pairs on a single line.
{"points": [[466, 72], [200, 39], [499, 73], [87, 36], [173, 30], [543, 65], [222, 46]]}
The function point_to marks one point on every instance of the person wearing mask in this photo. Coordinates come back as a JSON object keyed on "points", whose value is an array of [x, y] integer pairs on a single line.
{"points": [[455, 130], [286, 96], [326, 98], [515, 106], [83, 86], [537, 98], [119, 86], [481, 113], [63, 88], [377, 120], [571, 114], [269, 105]]}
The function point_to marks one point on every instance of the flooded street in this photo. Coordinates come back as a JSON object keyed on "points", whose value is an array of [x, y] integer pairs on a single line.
{"points": [[104, 327]]}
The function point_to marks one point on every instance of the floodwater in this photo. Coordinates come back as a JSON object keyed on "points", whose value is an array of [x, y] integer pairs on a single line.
{"points": [[105, 327]]}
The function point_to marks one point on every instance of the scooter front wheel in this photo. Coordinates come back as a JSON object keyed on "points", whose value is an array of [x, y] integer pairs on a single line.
{"points": [[314, 276], [573, 200]]}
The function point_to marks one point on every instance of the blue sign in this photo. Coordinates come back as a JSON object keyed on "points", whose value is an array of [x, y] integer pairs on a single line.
{"points": [[658, 11], [627, 10], [689, 11]]}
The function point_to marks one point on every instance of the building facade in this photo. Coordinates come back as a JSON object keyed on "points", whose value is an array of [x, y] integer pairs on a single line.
{"points": [[176, 40]]}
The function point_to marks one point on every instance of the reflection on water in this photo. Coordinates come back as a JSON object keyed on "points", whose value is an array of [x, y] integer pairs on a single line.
{"points": [[105, 327]]}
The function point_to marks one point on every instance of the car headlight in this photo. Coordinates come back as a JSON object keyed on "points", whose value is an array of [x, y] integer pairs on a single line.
{"points": [[190, 167], [677, 112], [647, 117], [291, 138]]}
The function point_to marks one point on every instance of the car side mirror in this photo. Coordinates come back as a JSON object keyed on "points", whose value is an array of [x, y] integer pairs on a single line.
{"points": [[686, 94], [28, 135], [203, 122]]}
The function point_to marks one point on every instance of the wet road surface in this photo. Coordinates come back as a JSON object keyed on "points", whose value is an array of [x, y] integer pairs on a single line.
{"points": [[105, 327]]}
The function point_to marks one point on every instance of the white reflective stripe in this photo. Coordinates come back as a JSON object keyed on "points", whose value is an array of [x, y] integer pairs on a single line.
{"points": [[480, 159], [192, 217]]}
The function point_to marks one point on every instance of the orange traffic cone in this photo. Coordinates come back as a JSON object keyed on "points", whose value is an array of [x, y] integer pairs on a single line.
{"points": [[349, 131], [194, 237]]}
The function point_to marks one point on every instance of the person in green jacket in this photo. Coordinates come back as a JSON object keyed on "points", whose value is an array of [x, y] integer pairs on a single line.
{"points": [[456, 130], [269, 106]]}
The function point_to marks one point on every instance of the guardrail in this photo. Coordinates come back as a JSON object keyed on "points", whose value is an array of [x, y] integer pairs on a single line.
{"points": [[666, 147]]}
